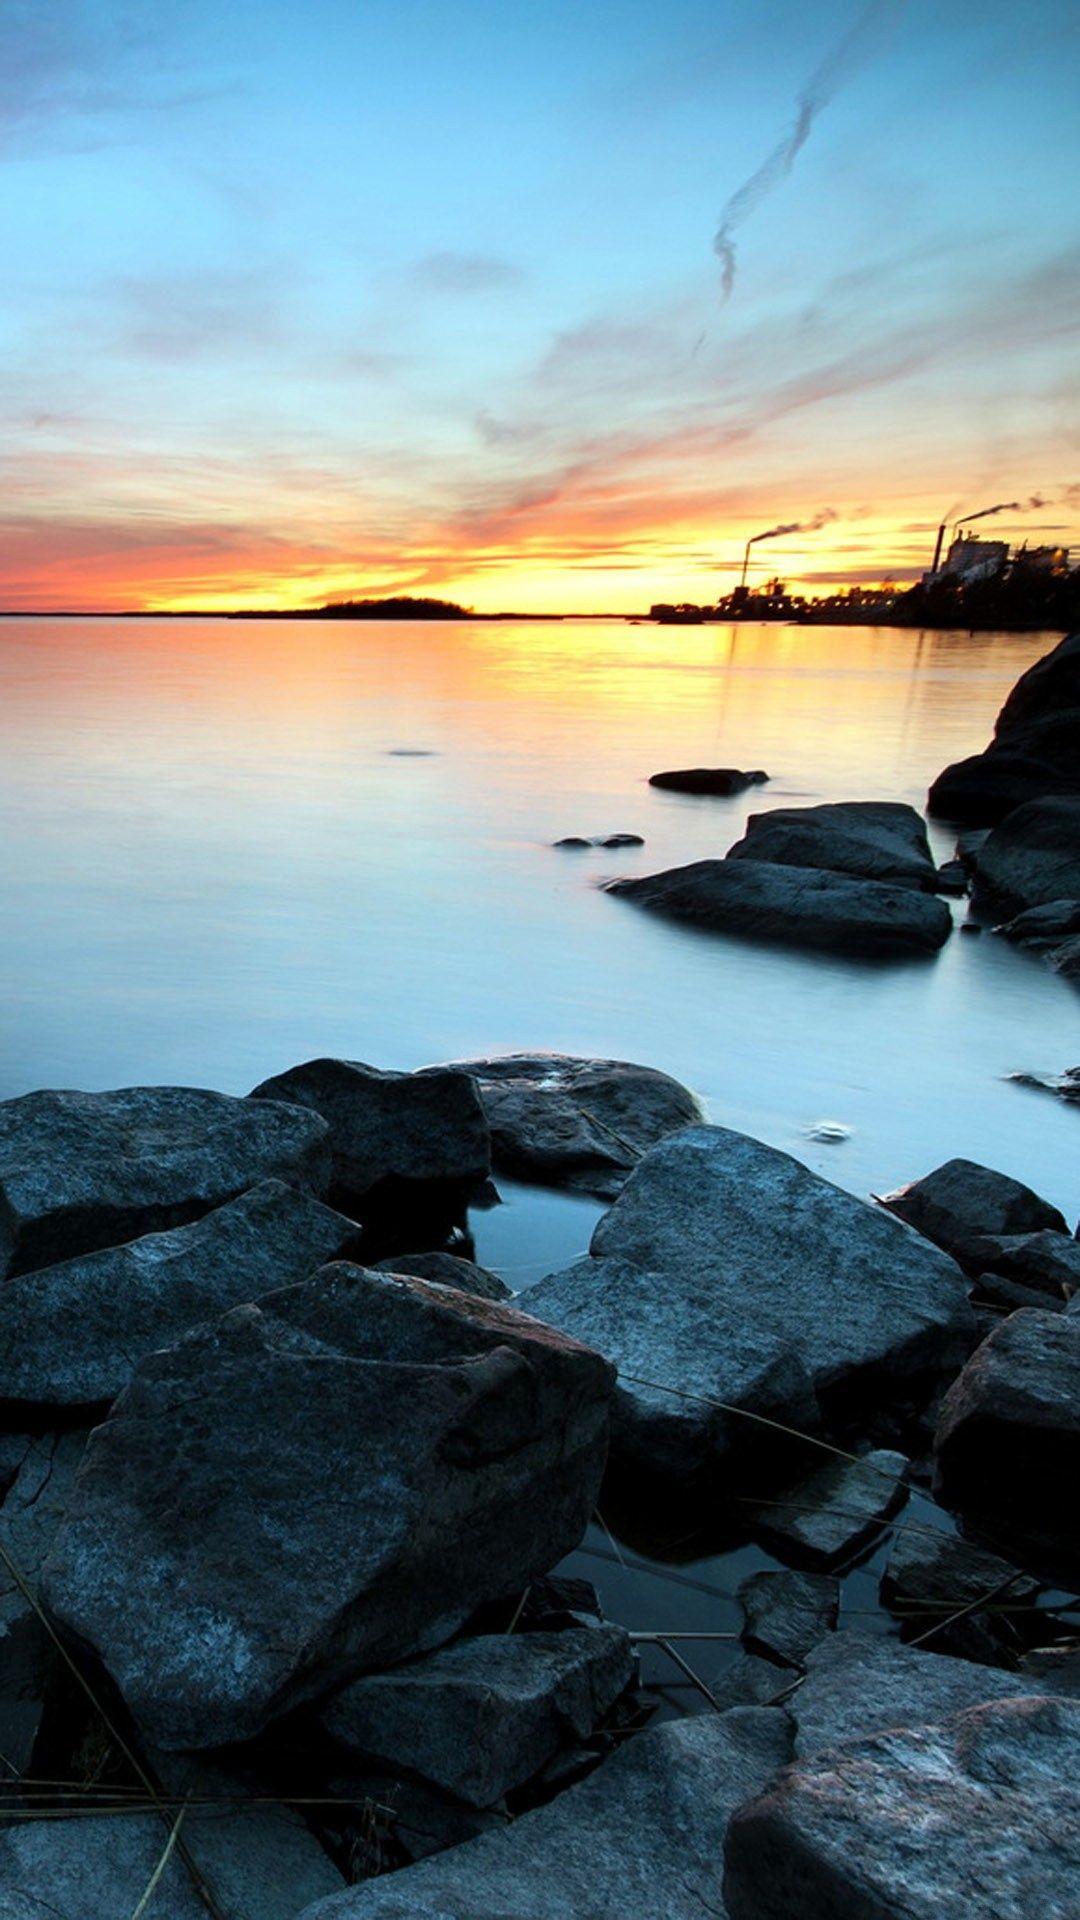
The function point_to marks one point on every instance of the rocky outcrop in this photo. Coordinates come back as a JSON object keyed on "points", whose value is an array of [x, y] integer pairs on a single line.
{"points": [[1007, 1446], [870, 839], [396, 1134], [80, 1171], [562, 1121], [830, 1516], [447, 1270], [641, 1837], [728, 1273], [711, 780], [1035, 750], [484, 1714], [317, 1485], [1033, 858], [795, 906], [960, 1203], [977, 1819], [70, 1335]]}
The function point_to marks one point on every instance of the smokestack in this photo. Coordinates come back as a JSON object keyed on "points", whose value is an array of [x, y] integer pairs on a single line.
{"points": [[745, 562], [937, 549]]}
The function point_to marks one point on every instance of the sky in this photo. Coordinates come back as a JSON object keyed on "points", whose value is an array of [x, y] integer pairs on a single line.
{"points": [[361, 297]]}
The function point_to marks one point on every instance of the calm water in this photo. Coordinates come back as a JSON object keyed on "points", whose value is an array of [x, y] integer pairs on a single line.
{"points": [[229, 846]]}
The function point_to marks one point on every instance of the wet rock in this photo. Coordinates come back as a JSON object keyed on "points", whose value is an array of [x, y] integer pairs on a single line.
{"points": [[1046, 1261], [562, 1121], [1065, 959], [978, 1819], [1007, 1445], [484, 1714], [447, 1270], [88, 1868], [1035, 750], [968, 845], [642, 1836], [612, 840], [33, 1510], [1043, 927], [952, 878], [932, 1574], [399, 1131], [80, 1171], [574, 842], [829, 1517], [317, 1485], [715, 780], [961, 1202], [785, 1614], [858, 1684], [870, 839], [70, 1335], [1033, 857], [1066, 1085], [795, 906]]}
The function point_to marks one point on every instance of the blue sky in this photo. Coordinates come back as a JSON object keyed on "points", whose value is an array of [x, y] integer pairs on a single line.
{"points": [[305, 300]]}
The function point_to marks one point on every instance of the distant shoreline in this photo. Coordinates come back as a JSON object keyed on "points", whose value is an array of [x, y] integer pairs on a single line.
{"points": [[482, 619]]}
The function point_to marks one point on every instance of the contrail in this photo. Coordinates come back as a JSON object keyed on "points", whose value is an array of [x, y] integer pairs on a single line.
{"points": [[1003, 506], [858, 45]]}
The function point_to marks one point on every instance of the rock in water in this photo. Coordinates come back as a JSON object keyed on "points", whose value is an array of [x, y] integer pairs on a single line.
{"points": [[70, 1335], [727, 1269], [323, 1483], [796, 906], [1044, 1262], [1033, 858], [829, 1517], [1035, 750], [481, 1716], [1007, 1446], [407, 1130], [934, 1574], [786, 1614], [642, 1837], [447, 1270], [1043, 927], [871, 839], [961, 1202], [978, 1819], [80, 1171], [562, 1121], [714, 780]]}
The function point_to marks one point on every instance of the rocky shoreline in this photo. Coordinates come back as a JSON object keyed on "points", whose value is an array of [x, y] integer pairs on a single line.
{"points": [[287, 1480]]}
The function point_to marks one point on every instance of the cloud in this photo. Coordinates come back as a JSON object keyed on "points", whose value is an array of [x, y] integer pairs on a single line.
{"points": [[464, 273], [187, 316]]}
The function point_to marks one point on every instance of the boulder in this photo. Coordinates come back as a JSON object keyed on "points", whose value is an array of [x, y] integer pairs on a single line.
{"points": [[714, 780], [977, 1819], [1035, 750], [70, 1335], [1043, 927], [562, 1121], [785, 1614], [394, 1133], [961, 1203], [447, 1270], [829, 1517], [749, 1681], [1007, 1445], [952, 878], [871, 839], [92, 1867], [997, 1290], [1032, 858], [1047, 1262], [860, 1683], [30, 1517], [795, 906], [931, 1574], [641, 1837], [80, 1171], [484, 1714], [317, 1485]]}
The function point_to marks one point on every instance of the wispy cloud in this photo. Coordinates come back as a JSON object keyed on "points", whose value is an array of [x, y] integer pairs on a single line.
{"points": [[464, 273]]}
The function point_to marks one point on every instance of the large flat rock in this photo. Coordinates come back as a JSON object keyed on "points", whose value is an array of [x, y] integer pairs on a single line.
{"points": [[317, 1485], [642, 1837], [795, 906], [559, 1120], [80, 1171], [871, 839], [978, 1819], [70, 1335]]}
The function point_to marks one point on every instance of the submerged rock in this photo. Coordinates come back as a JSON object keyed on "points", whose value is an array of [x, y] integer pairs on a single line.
{"points": [[831, 1515], [1007, 1446], [977, 1819], [1035, 750], [871, 839], [715, 780], [409, 1131], [1033, 857], [728, 1270], [961, 1203], [448, 1270], [578, 841], [641, 1837], [796, 906], [320, 1484], [70, 1335], [80, 1171], [786, 1614], [562, 1121], [484, 1714], [1066, 1085]]}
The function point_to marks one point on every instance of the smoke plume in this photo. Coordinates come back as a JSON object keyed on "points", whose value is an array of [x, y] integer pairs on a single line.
{"points": [[1003, 506], [819, 520], [858, 46]]}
